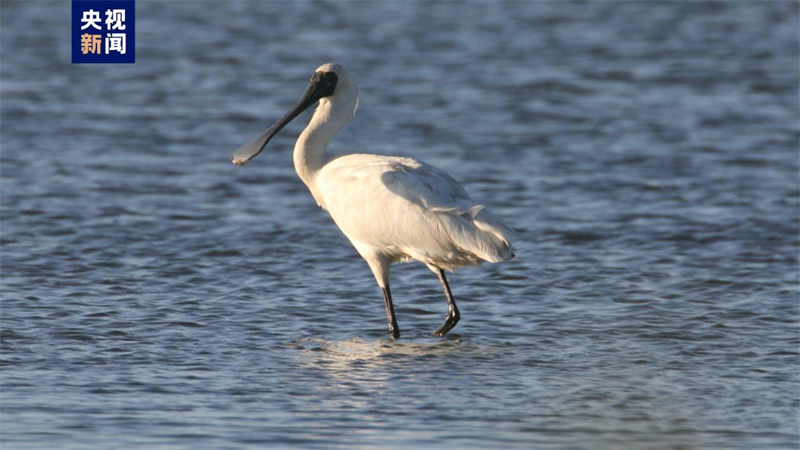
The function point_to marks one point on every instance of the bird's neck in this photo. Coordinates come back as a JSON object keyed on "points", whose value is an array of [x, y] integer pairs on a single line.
{"points": [[309, 151]]}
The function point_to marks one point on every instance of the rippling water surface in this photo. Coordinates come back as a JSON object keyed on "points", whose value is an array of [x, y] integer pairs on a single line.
{"points": [[155, 294]]}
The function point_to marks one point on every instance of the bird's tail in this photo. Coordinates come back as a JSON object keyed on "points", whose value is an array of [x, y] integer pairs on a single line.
{"points": [[501, 235], [482, 233]]}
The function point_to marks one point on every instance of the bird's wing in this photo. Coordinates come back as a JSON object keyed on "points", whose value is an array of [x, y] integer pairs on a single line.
{"points": [[426, 186], [438, 192]]}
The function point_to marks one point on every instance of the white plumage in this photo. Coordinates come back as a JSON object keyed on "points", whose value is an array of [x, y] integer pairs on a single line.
{"points": [[392, 209]]}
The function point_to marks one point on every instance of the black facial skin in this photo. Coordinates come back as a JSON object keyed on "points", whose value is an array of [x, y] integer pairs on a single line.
{"points": [[326, 82]]}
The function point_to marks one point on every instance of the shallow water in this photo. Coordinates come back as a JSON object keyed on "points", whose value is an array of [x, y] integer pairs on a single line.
{"points": [[155, 294]]}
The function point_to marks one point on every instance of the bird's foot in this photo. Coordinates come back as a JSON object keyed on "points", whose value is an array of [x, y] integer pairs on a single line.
{"points": [[448, 325], [394, 333]]}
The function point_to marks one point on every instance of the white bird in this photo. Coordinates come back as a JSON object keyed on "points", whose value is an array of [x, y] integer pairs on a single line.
{"points": [[392, 209]]}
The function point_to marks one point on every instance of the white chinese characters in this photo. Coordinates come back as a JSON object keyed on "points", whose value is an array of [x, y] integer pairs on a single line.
{"points": [[115, 19], [90, 19], [115, 42]]}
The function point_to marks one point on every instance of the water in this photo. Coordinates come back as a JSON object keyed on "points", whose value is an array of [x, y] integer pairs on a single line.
{"points": [[153, 294]]}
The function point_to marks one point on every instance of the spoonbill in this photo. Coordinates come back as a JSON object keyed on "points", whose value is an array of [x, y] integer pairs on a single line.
{"points": [[392, 209]]}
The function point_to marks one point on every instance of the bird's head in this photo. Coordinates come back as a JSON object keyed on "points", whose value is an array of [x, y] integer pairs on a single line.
{"points": [[331, 85]]}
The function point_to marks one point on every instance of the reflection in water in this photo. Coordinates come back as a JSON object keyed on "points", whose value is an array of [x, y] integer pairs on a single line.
{"points": [[367, 366], [359, 383]]}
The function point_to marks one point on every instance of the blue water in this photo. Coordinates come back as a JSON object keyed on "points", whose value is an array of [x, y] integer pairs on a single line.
{"points": [[153, 294]]}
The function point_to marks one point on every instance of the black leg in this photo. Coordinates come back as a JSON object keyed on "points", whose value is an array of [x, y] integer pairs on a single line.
{"points": [[453, 315], [394, 330]]}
